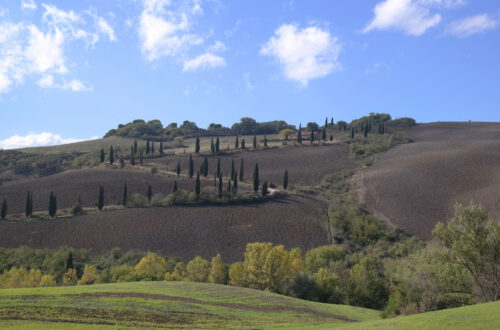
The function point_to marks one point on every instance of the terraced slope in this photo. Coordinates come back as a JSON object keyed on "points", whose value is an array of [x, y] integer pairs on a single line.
{"points": [[416, 185], [166, 304]]}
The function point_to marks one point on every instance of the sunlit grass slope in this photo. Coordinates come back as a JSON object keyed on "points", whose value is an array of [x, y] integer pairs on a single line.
{"points": [[166, 304]]}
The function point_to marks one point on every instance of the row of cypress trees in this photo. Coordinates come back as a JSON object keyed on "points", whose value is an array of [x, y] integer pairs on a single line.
{"points": [[29, 206]]}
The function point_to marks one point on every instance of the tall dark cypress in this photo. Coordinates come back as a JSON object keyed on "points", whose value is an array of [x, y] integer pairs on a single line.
{"points": [[149, 193], [197, 184], [100, 200], [352, 133], [229, 185], [103, 156], [141, 157], [219, 190], [3, 210], [237, 143], [178, 168], [125, 195], [111, 155], [69, 262], [312, 136], [161, 147], [242, 169], [256, 178], [232, 169], [299, 134], [255, 141], [52, 204], [265, 191], [331, 122], [148, 148], [132, 156], [218, 167], [235, 181], [217, 145], [153, 147], [212, 146], [135, 146], [285, 180], [242, 143], [29, 205], [197, 146], [366, 130], [205, 167], [175, 186], [326, 122], [191, 166], [323, 135], [265, 141]]}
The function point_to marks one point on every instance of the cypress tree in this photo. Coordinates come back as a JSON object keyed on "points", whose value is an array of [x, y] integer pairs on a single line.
{"points": [[264, 189], [256, 178], [147, 147], [215, 180], [29, 205], [111, 155], [135, 146], [265, 141], [3, 211], [236, 143], [103, 156], [217, 144], [229, 186], [331, 123], [150, 193], [52, 204], [100, 201], [326, 122], [242, 143], [235, 181], [161, 147], [255, 141], [153, 147], [218, 167], [175, 186], [125, 195], [132, 156], [191, 166], [285, 180], [122, 162], [299, 134], [219, 191], [69, 262], [232, 170], [212, 146], [366, 131], [331, 138], [352, 133], [197, 146], [197, 184], [141, 157], [323, 135], [205, 167], [178, 168], [312, 137], [241, 169]]}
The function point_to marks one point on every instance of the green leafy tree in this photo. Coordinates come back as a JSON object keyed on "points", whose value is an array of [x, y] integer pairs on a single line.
{"points": [[256, 178], [265, 191], [103, 156], [218, 271], [125, 195], [3, 210], [191, 166], [368, 284], [178, 168], [149, 193], [111, 155], [52, 204], [242, 169], [100, 200], [285, 180], [197, 187], [255, 141], [198, 270], [197, 146]]}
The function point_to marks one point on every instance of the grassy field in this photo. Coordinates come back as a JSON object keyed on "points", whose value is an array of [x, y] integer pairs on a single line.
{"points": [[482, 316], [166, 304]]}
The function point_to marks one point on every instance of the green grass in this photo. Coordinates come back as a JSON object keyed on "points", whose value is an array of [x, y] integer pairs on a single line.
{"points": [[481, 316], [166, 304]]}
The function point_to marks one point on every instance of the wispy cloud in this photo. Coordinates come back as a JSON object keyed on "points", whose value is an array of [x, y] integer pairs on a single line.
{"points": [[73, 85], [204, 61], [304, 54], [28, 5], [472, 25], [34, 140]]}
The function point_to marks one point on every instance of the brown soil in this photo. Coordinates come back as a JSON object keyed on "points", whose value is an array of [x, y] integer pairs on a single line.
{"points": [[416, 185]]}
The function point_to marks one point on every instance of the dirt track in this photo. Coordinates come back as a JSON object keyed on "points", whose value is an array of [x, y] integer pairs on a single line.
{"points": [[417, 184]]}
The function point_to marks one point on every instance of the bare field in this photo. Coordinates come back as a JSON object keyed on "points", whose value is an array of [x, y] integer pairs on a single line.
{"points": [[69, 184], [416, 185], [183, 232], [306, 164]]}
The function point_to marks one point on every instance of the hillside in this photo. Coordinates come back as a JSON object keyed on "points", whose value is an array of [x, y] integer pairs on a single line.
{"points": [[166, 304], [416, 185]]}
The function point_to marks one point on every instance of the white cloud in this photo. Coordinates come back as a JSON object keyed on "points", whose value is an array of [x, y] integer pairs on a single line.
{"points": [[28, 49], [218, 46], [304, 54], [204, 61], [28, 5], [471, 25], [248, 83], [73, 85], [163, 31], [34, 140]]}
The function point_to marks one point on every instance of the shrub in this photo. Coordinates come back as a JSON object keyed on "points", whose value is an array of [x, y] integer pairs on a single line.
{"points": [[152, 267], [198, 270], [123, 273], [77, 209], [238, 275], [47, 280], [322, 256], [70, 277], [137, 200], [154, 170], [89, 275], [218, 271]]}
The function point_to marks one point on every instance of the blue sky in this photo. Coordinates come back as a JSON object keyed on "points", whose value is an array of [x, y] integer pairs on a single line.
{"points": [[74, 69]]}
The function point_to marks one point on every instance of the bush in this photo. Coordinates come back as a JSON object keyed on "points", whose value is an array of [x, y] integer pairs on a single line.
{"points": [[70, 277], [198, 270], [154, 170], [77, 209], [152, 267], [322, 257], [137, 200], [89, 275]]}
